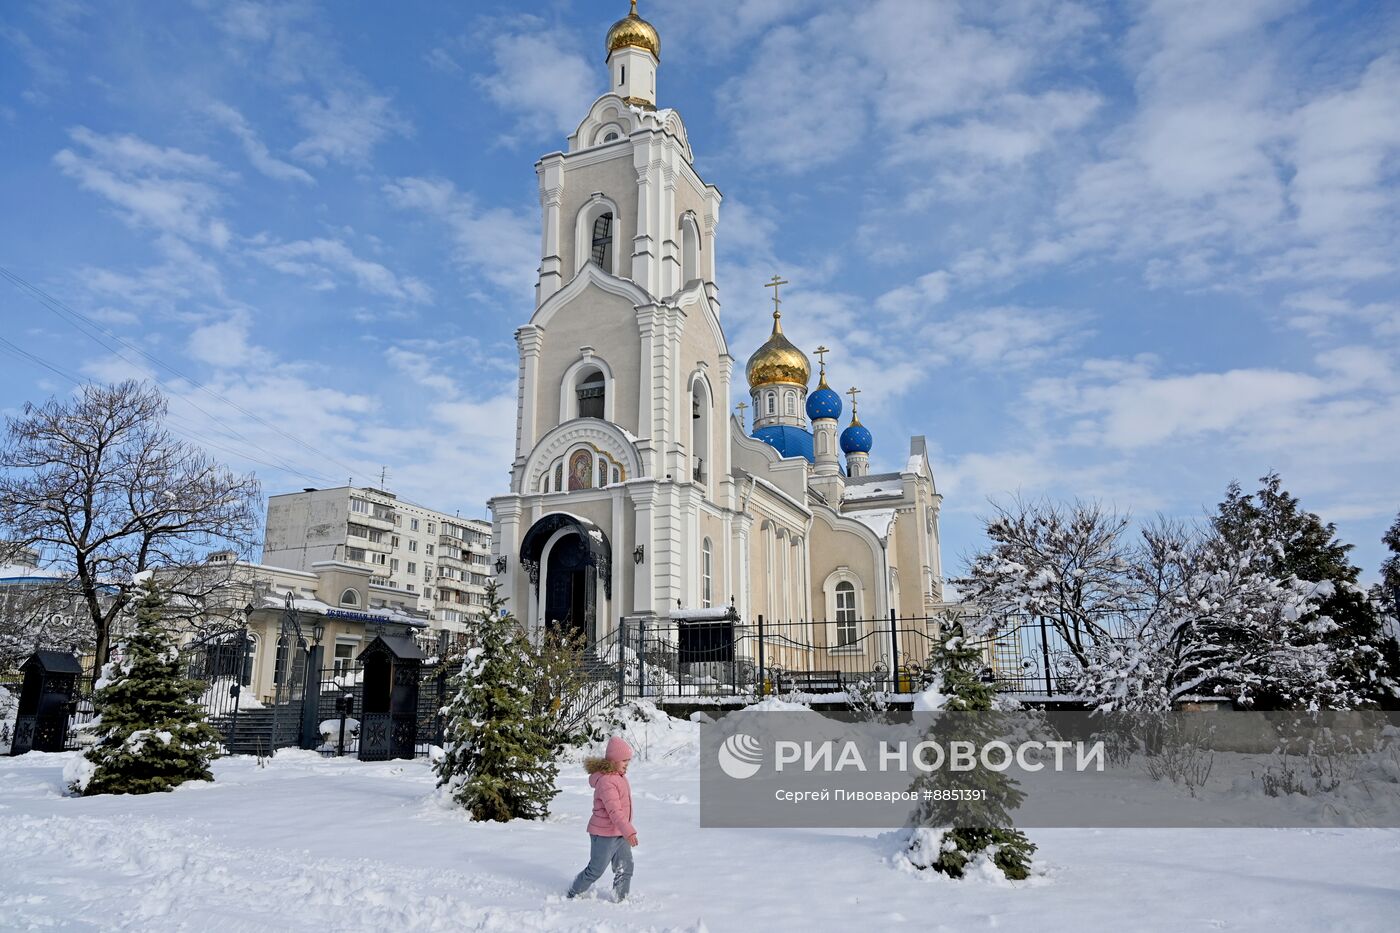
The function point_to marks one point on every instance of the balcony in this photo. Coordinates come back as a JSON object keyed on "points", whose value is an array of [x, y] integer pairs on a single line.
{"points": [[384, 521]]}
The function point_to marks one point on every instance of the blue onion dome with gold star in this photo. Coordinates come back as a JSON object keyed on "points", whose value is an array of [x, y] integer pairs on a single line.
{"points": [[856, 438], [778, 360], [823, 403]]}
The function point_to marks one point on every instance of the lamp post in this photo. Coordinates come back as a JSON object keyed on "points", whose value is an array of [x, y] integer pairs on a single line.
{"points": [[311, 689], [237, 688]]}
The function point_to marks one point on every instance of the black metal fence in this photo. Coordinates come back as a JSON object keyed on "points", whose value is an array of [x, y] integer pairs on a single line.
{"points": [[1031, 657]]}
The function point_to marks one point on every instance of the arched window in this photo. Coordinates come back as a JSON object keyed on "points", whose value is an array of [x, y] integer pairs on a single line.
{"points": [[602, 241], [610, 137], [591, 392], [559, 476], [707, 573], [595, 233], [772, 403], [845, 614], [791, 404], [350, 598], [700, 407], [690, 249], [298, 663]]}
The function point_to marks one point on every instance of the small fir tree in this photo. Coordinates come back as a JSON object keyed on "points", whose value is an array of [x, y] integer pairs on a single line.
{"points": [[932, 842], [152, 735], [498, 761]]}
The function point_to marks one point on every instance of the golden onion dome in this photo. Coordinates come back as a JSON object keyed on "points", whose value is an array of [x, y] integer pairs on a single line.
{"points": [[778, 360], [634, 31]]}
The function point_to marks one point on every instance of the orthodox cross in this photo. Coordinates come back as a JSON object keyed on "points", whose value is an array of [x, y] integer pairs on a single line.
{"points": [[773, 284], [821, 355], [853, 392], [741, 406]]}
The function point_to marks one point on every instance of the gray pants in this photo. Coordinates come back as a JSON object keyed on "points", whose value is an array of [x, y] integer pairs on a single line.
{"points": [[606, 849]]}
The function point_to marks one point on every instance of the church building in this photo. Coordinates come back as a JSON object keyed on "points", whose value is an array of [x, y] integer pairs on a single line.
{"points": [[635, 491]]}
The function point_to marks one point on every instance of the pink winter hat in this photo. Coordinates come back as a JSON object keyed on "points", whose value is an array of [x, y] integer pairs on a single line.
{"points": [[618, 750]]}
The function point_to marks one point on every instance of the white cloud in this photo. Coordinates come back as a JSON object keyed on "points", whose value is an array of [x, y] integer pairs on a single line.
{"points": [[1343, 143], [222, 343], [345, 126], [254, 148], [497, 244], [420, 368], [916, 298], [541, 79], [327, 261], [1231, 169], [164, 189], [907, 81], [1001, 338]]}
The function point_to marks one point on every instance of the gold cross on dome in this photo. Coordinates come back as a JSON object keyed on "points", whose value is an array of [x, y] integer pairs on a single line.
{"points": [[853, 392], [821, 353], [742, 406], [773, 284]]}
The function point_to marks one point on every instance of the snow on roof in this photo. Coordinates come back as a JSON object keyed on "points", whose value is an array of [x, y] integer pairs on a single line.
{"points": [[878, 520], [875, 491], [869, 478], [915, 464], [23, 573], [388, 613]]}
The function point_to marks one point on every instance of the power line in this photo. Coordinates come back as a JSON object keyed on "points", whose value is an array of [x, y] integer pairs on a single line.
{"points": [[77, 319]]}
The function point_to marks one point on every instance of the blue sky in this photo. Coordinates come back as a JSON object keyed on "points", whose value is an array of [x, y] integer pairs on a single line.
{"points": [[1128, 252]]}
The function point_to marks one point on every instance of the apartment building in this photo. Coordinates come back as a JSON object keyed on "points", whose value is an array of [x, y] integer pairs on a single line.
{"points": [[439, 562]]}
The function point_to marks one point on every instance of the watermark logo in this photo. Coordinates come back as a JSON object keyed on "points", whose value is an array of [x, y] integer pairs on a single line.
{"points": [[740, 756]]}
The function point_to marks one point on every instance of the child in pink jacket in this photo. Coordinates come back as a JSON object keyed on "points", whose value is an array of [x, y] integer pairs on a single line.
{"points": [[610, 829]]}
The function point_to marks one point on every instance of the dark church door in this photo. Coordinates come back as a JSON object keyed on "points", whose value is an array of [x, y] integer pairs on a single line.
{"points": [[569, 589]]}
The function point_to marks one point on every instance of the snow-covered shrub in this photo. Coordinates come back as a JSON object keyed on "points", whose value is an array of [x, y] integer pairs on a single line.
{"points": [[652, 733], [1181, 612]]}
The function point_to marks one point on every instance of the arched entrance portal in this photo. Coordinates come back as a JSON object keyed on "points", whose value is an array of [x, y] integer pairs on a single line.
{"points": [[570, 585], [567, 557]]}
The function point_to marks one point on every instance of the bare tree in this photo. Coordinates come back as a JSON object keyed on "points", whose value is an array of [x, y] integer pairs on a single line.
{"points": [[100, 487]]}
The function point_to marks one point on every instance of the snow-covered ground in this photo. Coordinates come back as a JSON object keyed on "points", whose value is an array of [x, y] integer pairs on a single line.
{"points": [[322, 844]]}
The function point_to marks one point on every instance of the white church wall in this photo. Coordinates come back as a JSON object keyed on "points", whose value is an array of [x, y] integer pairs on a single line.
{"points": [[617, 181], [607, 323]]}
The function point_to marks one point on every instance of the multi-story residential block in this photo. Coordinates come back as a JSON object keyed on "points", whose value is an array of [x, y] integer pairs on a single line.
{"points": [[439, 562]]}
